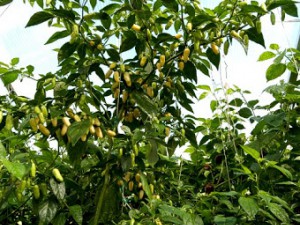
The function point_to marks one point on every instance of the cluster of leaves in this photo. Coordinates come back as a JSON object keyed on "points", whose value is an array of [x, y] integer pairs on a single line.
{"points": [[110, 119]]}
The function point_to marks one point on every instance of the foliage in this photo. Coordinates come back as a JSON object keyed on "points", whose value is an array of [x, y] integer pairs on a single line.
{"points": [[96, 143]]}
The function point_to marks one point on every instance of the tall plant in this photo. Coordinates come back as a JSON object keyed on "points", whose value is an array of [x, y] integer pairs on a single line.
{"points": [[96, 143]]}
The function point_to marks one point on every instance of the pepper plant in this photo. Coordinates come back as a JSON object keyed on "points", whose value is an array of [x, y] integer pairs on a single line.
{"points": [[96, 144]]}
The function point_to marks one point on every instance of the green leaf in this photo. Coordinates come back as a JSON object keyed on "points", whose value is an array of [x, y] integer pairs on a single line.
{"points": [[93, 3], [274, 47], [40, 95], [63, 13], [245, 112], [279, 212], [59, 219], [170, 4], [136, 4], [275, 70], [111, 8], [203, 95], [236, 102], [3, 152], [113, 54], [164, 37], [3, 70], [129, 40], [47, 212], [59, 189], [291, 10], [279, 3], [145, 185], [40, 3], [228, 193], [14, 61], [16, 169], [190, 71], [266, 55], [145, 103], [5, 2], [255, 36], [190, 135], [213, 58], [152, 156], [250, 206], [222, 220], [189, 9], [203, 68], [213, 105], [9, 77], [30, 69], [77, 129], [57, 35], [39, 18], [280, 57], [284, 171], [252, 103], [252, 152], [105, 19], [253, 9], [204, 87], [76, 213], [287, 183], [246, 170], [66, 50]]}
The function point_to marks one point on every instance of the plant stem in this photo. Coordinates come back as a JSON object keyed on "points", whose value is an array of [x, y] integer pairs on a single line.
{"points": [[101, 197], [104, 187]]}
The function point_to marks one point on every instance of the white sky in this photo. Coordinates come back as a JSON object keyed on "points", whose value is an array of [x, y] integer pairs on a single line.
{"points": [[28, 44]]}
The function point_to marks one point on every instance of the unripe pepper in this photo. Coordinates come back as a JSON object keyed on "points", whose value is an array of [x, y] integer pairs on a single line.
{"points": [[141, 194], [117, 76], [258, 26], [111, 133], [130, 185], [1, 116], [9, 122], [215, 48], [189, 26], [33, 124], [122, 68], [136, 27], [64, 130], [181, 65], [112, 65], [143, 61], [57, 175], [54, 122], [99, 133], [43, 189], [44, 130], [66, 121], [162, 60], [36, 191], [44, 110], [226, 47], [108, 73], [127, 79], [33, 169], [186, 54]]}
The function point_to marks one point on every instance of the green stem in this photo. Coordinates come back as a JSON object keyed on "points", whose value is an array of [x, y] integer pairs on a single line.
{"points": [[101, 198], [104, 188]]}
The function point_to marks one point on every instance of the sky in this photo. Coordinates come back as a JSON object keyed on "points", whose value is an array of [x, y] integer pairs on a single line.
{"points": [[28, 44]]}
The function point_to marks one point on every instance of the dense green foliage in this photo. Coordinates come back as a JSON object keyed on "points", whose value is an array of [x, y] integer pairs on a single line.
{"points": [[96, 143]]}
